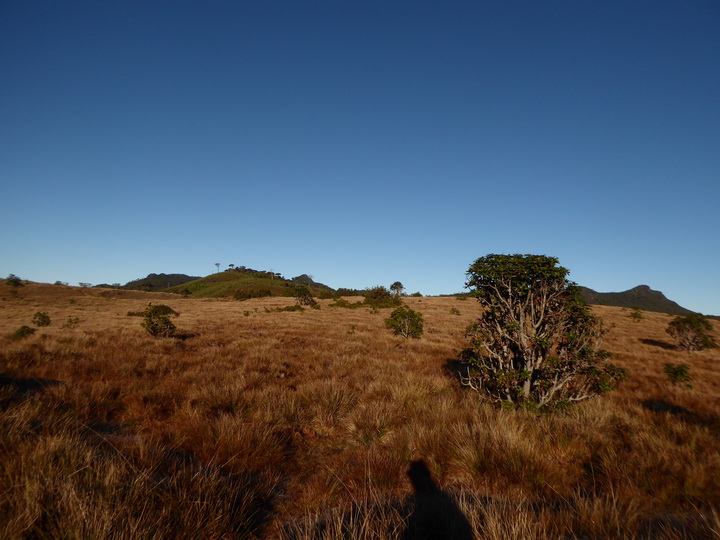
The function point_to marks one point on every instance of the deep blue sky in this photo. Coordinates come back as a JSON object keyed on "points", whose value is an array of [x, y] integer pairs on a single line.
{"points": [[362, 142]]}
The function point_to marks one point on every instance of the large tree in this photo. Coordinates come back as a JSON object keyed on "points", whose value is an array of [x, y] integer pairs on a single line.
{"points": [[536, 343], [397, 288]]}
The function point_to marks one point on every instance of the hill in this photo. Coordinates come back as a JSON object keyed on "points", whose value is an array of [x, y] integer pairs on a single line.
{"points": [[642, 297], [158, 282], [243, 283]]}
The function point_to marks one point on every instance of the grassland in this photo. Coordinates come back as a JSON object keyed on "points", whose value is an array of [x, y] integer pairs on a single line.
{"points": [[267, 424]]}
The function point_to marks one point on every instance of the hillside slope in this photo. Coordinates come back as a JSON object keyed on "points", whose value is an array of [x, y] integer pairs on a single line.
{"points": [[158, 282], [243, 283]]}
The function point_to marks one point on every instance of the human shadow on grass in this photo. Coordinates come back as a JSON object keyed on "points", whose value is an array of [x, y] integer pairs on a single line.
{"points": [[435, 515]]}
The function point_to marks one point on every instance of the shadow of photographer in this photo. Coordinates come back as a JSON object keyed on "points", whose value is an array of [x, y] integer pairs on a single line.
{"points": [[435, 516]]}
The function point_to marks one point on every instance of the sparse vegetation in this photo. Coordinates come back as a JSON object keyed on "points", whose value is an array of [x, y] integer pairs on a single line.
{"points": [[536, 343], [380, 297], [678, 374], [405, 322], [636, 314], [300, 426], [157, 321], [41, 318], [23, 332], [691, 332]]}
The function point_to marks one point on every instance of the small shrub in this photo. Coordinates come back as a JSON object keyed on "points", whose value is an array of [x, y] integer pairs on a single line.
{"points": [[13, 281], [405, 322], [678, 374], [41, 318], [23, 332], [342, 303], [636, 315], [416, 294], [454, 311], [157, 320], [61, 283]]}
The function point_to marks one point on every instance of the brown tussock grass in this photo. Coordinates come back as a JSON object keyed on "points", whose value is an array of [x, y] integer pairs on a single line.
{"points": [[261, 423]]}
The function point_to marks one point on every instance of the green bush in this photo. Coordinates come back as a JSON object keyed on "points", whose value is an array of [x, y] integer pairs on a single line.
{"points": [[303, 296], [13, 281], [342, 303], [41, 318], [636, 314], [678, 374], [158, 325], [405, 322], [691, 332], [380, 297], [157, 321], [24, 331]]}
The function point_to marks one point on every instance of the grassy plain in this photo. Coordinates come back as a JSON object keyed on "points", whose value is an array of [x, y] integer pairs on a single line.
{"points": [[258, 423]]}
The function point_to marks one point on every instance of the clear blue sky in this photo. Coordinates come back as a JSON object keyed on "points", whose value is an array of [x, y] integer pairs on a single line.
{"points": [[362, 141]]}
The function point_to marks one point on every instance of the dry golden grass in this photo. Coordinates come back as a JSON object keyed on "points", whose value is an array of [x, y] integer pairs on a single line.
{"points": [[258, 423]]}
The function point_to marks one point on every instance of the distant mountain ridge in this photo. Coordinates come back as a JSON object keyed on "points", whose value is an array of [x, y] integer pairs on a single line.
{"points": [[642, 297], [308, 281]]}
